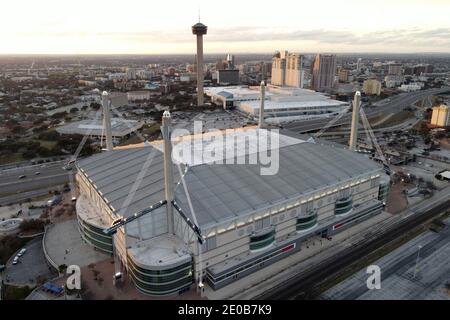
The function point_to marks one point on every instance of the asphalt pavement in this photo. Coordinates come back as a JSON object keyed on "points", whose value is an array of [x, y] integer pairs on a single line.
{"points": [[393, 105], [32, 266], [25, 182]]}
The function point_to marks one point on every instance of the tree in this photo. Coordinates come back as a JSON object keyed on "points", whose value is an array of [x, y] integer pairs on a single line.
{"points": [[74, 110], [34, 225], [49, 135], [17, 129], [29, 154], [95, 105], [59, 115], [40, 129]]}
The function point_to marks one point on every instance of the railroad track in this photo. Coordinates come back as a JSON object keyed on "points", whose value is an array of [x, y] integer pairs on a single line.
{"points": [[305, 285]]}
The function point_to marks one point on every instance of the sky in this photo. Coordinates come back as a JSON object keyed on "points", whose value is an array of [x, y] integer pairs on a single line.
{"points": [[235, 26]]}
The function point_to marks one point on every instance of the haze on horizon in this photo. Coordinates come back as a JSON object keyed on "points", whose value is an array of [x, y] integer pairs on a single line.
{"points": [[147, 27]]}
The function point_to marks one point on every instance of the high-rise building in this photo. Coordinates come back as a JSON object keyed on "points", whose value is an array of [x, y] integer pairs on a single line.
{"points": [[131, 73], [171, 71], [395, 69], [199, 29], [287, 69], [227, 64], [324, 70], [227, 76], [230, 61], [440, 116], [221, 65], [372, 87], [423, 68], [266, 68], [358, 64], [343, 75]]}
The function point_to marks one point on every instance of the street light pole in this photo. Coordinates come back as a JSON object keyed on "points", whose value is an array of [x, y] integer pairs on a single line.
{"points": [[417, 262]]}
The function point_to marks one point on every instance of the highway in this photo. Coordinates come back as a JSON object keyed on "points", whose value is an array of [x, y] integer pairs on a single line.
{"points": [[37, 181], [395, 263], [392, 105], [407, 124], [304, 285]]}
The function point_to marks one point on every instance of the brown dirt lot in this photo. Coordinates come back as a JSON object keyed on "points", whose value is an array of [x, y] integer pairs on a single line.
{"points": [[63, 211], [396, 201]]}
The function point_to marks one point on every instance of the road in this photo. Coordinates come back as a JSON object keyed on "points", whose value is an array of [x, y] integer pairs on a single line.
{"points": [[399, 265], [304, 285], [12, 188], [393, 105], [408, 123], [29, 163]]}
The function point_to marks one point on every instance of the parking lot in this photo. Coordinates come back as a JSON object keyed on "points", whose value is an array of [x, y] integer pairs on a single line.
{"points": [[32, 267], [217, 120]]}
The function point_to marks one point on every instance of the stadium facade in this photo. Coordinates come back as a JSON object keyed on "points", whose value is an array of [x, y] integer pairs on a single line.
{"points": [[181, 223]]}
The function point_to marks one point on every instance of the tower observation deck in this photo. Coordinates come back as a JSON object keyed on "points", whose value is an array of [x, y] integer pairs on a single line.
{"points": [[199, 29]]}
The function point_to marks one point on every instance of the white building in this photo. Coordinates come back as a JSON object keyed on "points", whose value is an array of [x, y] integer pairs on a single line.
{"points": [[392, 81], [414, 86], [188, 77], [131, 73], [145, 74], [94, 128], [281, 103], [138, 95], [117, 76]]}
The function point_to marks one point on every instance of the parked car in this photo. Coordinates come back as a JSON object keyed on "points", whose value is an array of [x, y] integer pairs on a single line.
{"points": [[15, 260], [56, 200], [22, 252]]}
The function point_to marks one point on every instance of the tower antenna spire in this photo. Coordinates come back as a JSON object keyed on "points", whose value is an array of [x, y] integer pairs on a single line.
{"points": [[199, 13]]}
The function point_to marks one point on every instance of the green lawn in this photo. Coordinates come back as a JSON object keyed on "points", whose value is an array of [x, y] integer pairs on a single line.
{"points": [[10, 158], [47, 144], [397, 118], [16, 293], [152, 129]]}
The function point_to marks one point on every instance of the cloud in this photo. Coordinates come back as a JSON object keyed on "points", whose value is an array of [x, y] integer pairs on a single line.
{"points": [[400, 36], [432, 38]]}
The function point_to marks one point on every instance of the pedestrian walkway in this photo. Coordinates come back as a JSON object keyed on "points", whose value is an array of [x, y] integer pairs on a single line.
{"points": [[64, 246]]}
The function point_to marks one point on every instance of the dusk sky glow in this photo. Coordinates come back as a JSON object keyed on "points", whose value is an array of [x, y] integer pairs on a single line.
{"points": [[156, 27]]}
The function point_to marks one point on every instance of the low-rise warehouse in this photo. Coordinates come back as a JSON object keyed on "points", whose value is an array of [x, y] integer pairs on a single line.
{"points": [[94, 128], [281, 103]]}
